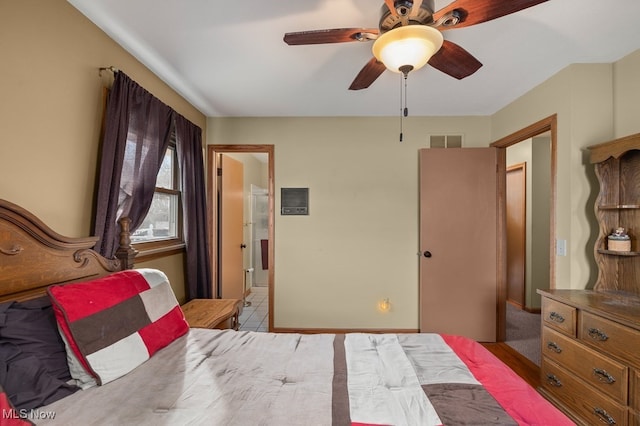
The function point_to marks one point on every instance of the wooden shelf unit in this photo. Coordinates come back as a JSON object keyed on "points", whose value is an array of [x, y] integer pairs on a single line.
{"points": [[617, 167]]}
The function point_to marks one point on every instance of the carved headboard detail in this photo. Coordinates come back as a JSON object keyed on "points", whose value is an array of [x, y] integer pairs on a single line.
{"points": [[33, 256]]}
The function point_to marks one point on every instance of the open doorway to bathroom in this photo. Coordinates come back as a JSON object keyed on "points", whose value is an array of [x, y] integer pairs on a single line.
{"points": [[250, 259]]}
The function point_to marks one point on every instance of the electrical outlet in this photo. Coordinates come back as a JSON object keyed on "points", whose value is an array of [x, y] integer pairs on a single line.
{"points": [[561, 247]]}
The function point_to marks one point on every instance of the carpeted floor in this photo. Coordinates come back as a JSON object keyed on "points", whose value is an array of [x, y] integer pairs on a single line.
{"points": [[523, 332]]}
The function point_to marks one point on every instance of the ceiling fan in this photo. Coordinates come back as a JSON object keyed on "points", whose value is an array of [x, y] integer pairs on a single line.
{"points": [[412, 27]]}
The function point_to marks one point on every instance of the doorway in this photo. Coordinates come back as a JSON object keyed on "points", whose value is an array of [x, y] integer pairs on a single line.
{"points": [[217, 225], [545, 126]]}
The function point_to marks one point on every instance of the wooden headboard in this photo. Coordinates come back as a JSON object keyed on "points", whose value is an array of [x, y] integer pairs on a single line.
{"points": [[33, 256]]}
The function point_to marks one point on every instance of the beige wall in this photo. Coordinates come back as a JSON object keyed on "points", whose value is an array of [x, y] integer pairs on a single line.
{"points": [[540, 227], [626, 90], [359, 242], [50, 111]]}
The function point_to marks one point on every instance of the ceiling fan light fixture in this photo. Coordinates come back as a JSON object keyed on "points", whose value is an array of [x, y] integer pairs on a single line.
{"points": [[411, 45]]}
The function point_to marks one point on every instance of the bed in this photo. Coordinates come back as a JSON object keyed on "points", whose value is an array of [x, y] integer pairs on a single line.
{"points": [[131, 358]]}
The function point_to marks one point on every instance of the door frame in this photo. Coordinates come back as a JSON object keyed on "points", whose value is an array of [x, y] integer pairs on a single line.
{"points": [[548, 124], [212, 185]]}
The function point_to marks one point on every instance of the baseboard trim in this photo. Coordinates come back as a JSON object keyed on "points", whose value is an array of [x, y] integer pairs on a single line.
{"points": [[525, 308]]}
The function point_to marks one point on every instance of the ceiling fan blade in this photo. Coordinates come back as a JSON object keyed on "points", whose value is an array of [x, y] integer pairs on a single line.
{"points": [[453, 60], [415, 9], [392, 8], [478, 11], [368, 74], [336, 35]]}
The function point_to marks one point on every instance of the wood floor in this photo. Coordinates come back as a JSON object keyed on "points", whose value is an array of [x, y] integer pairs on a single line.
{"points": [[522, 366]]}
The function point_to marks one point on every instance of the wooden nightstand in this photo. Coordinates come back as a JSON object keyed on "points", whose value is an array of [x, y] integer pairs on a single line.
{"points": [[212, 313]]}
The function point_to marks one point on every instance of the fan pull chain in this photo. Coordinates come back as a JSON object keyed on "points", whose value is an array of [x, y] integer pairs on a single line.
{"points": [[401, 96], [404, 111]]}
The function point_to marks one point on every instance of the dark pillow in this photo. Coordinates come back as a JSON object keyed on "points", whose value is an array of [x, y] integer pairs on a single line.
{"points": [[32, 326], [33, 360]]}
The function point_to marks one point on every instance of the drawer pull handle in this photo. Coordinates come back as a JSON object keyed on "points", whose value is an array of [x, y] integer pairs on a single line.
{"points": [[596, 334], [604, 416], [554, 316], [553, 380], [553, 346], [603, 376]]}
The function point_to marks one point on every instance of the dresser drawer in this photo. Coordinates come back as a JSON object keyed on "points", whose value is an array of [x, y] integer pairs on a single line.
{"points": [[604, 374], [610, 337], [583, 402], [559, 316]]}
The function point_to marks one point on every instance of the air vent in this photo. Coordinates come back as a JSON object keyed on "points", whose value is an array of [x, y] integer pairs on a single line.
{"points": [[445, 141]]}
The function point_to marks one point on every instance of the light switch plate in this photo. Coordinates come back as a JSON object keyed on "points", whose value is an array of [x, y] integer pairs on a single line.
{"points": [[561, 247]]}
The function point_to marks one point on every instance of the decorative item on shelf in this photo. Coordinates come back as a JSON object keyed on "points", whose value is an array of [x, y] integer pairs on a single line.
{"points": [[619, 240]]}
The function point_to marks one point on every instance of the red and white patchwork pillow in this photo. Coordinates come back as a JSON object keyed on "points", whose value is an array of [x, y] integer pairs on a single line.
{"points": [[113, 324]]}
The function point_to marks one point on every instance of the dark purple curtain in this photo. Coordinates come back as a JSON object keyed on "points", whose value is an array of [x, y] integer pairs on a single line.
{"points": [[194, 207], [138, 129], [137, 132]]}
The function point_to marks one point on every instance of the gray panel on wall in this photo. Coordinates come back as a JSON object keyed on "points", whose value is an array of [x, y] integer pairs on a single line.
{"points": [[294, 201]]}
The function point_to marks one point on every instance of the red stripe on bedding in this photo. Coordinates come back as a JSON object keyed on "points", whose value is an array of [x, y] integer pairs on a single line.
{"points": [[516, 396], [104, 293], [165, 330], [9, 416]]}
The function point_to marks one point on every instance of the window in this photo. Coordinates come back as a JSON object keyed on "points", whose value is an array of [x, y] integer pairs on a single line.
{"points": [[163, 223]]}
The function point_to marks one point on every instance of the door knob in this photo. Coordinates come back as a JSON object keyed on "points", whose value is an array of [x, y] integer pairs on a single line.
{"points": [[242, 246], [427, 253]]}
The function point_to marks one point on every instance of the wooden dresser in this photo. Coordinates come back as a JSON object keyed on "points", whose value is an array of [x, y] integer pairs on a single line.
{"points": [[591, 355], [212, 313]]}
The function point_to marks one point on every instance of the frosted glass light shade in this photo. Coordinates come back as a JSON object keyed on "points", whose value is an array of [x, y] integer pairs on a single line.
{"points": [[409, 45]]}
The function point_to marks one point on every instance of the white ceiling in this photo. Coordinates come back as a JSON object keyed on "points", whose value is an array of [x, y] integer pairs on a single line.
{"points": [[228, 58]]}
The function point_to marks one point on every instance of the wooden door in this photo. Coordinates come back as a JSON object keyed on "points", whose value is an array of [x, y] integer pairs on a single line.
{"points": [[231, 205], [516, 234], [461, 273]]}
